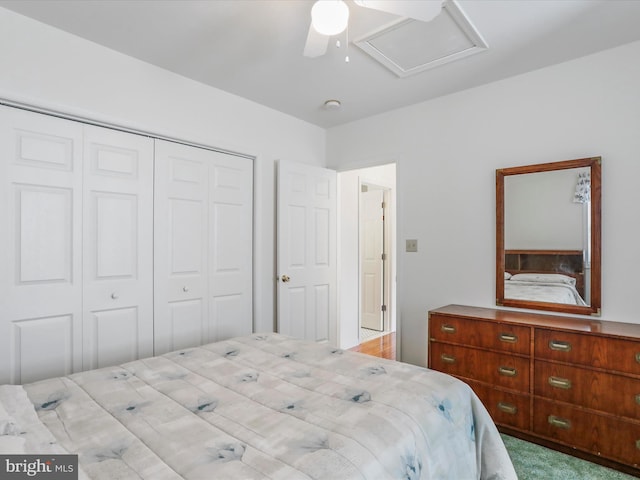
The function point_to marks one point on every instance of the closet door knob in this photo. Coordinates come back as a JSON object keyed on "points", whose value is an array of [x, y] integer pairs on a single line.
{"points": [[285, 278], [114, 296], [185, 289]]}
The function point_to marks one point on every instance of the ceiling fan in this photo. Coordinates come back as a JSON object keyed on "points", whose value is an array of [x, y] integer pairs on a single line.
{"points": [[330, 17]]}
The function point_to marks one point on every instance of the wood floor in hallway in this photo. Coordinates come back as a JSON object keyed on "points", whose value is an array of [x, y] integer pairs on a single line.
{"points": [[384, 347]]}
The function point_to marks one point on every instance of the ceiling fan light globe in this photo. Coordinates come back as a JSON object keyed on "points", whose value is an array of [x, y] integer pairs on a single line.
{"points": [[329, 17]]}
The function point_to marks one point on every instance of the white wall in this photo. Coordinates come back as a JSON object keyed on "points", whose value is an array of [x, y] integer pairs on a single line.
{"points": [[46, 67], [448, 149], [539, 211], [348, 247]]}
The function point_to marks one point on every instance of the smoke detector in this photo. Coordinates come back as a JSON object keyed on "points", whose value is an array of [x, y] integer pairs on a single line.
{"points": [[332, 105]]}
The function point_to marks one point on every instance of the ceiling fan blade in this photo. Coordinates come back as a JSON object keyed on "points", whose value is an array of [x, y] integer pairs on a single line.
{"points": [[316, 43], [424, 10]]}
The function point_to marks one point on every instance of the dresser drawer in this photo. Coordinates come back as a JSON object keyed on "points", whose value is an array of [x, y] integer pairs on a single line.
{"points": [[498, 369], [505, 408], [477, 333], [608, 437], [608, 392], [589, 350]]}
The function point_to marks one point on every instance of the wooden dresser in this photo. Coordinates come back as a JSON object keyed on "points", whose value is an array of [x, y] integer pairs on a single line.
{"points": [[572, 384]]}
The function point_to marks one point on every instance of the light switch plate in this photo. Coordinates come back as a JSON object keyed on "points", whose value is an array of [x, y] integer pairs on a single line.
{"points": [[411, 245]]}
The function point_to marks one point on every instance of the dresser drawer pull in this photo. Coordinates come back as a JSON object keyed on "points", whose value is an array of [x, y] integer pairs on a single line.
{"points": [[559, 422], [560, 346], [507, 371], [638, 357], [507, 408], [560, 382], [448, 328], [638, 399], [508, 338], [447, 358], [638, 444]]}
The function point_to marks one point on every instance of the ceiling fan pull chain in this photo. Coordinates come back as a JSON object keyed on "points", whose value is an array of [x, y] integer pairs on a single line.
{"points": [[346, 58]]}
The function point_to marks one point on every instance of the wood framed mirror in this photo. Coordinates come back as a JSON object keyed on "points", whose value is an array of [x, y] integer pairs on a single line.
{"points": [[548, 229]]}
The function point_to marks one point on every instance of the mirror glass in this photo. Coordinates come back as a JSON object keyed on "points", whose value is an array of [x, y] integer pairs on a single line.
{"points": [[548, 236]]}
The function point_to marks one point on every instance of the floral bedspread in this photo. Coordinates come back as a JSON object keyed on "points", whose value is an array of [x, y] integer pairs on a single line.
{"points": [[268, 406]]}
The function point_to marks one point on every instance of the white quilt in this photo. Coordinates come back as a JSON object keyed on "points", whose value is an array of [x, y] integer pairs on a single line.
{"points": [[268, 406]]}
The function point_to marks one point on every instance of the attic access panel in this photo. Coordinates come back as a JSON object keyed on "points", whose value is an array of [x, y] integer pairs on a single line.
{"points": [[408, 46]]}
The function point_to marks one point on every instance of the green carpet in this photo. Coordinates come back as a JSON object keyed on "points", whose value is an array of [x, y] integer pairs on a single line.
{"points": [[533, 462]]}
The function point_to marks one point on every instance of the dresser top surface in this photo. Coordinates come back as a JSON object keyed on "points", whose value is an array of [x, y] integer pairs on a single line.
{"points": [[576, 324]]}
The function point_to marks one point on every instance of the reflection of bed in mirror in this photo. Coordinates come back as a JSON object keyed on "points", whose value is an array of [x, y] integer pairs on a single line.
{"points": [[554, 276]]}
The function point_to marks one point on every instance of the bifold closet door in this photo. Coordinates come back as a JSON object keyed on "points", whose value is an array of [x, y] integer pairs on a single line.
{"points": [[118, 247], [231, 246], [40, 246], [203, 246]]}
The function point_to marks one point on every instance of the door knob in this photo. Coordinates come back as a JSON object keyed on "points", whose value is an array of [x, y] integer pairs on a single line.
{"points": [[114, 296], [285, 278]]}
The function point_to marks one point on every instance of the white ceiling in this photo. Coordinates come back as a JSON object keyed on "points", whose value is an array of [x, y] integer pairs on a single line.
{"points": [[253, 48]]}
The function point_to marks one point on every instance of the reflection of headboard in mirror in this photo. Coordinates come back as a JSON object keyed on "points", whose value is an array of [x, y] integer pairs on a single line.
{"points": [[567, 262]]}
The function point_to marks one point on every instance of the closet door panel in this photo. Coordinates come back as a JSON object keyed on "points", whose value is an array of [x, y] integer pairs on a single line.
{"points": [[185, 323], [40, 241], [118, 239], [44, 234], [181, 238], [231, 233], [115, 336], [43, 347], [229, 314]]}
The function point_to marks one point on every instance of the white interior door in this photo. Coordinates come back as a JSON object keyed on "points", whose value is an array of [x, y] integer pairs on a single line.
{"points": [[203, 246], [306, 251], [371, 256], [40, 245], [118, 247]]}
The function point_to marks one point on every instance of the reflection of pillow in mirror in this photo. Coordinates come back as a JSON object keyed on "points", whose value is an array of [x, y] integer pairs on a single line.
{"points": [[507, 275], [544, 278]]}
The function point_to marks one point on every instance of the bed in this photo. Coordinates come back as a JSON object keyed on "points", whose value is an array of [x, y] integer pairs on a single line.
{"points": [[552, 276], [260, 406]]}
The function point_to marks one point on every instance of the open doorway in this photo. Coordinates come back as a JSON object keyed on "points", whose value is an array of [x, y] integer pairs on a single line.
{"points": [[367, 263]]}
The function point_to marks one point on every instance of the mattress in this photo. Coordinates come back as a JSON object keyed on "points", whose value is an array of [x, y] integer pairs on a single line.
{"points": [[260, 406]]}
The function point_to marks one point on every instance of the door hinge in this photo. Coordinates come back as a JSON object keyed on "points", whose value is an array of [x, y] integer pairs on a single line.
{"points": [[383, 256], [383, 205], [384, 308]]}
